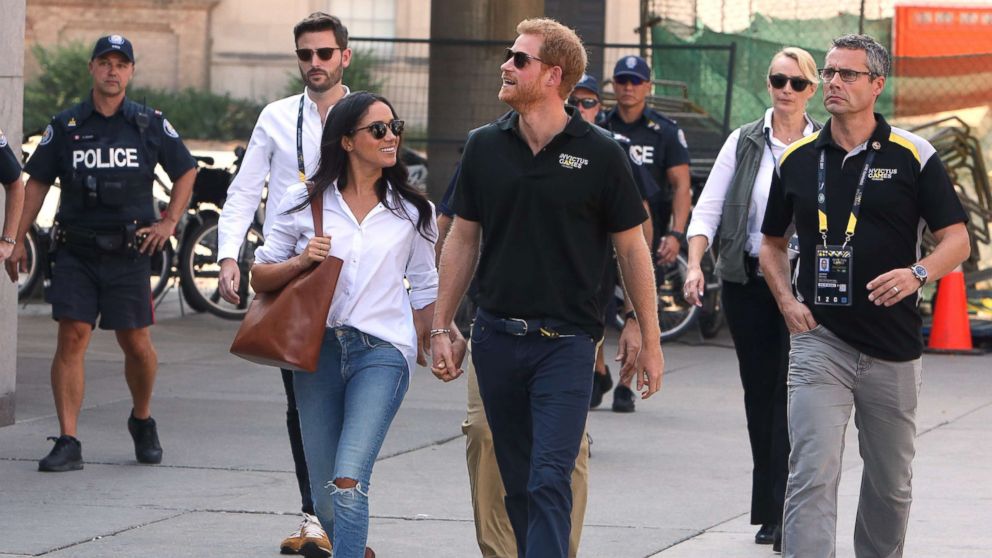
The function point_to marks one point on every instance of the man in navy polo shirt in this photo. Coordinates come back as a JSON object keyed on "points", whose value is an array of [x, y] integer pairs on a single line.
{"points": [[858, 192], [545, 192], [10, 177], [659, 144]]}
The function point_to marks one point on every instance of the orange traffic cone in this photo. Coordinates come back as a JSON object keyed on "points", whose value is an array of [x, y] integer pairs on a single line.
{"points": [[951, 329]]}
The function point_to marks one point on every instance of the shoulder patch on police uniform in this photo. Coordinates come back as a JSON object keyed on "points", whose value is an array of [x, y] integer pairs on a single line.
{"points": [[682, 139], [794, 146], [46, 138], [3, 139], [71, 123], [168, 129]]}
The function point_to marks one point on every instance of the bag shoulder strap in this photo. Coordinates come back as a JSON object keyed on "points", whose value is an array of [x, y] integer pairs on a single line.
{"points": [[317, 210]]}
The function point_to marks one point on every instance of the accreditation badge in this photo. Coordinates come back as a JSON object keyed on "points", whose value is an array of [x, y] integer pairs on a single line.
{"points": [[834, 276]]}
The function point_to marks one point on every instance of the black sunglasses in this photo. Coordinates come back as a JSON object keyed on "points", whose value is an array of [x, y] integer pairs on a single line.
{"points": [[625, 79], [324, 53], [778, 81], [378, 129], [584, 103], [521, 59]]}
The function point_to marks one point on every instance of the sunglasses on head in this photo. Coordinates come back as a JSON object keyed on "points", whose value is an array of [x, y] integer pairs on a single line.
{"points": [[625, 79], [378, 129], [584, 103], [778, 81], [324, 53], [520, 59]]}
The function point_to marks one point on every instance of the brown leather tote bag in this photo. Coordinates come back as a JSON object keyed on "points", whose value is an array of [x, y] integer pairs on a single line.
{"points": [[285, 328]]}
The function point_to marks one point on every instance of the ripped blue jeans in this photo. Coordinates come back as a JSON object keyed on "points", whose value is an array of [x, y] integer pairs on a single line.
{"points": [[345, 409]]}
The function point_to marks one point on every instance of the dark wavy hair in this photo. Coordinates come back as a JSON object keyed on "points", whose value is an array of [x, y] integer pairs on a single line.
{"points": [[333, 165]]}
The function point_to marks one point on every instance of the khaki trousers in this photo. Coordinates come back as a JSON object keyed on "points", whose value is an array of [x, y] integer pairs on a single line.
{"points": [[492, 526]]}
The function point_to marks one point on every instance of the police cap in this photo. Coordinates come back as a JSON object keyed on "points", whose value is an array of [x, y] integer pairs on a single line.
{"points": [[113, 43]]}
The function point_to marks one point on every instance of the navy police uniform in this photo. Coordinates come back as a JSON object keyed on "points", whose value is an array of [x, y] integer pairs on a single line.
{"points": [[105, 166], [657, 143], [10, 169]]}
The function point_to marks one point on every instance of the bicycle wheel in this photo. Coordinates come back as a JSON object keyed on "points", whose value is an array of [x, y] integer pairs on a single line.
{"points": [[27, 281], [199, 270], [161, 263], [675, 314]]}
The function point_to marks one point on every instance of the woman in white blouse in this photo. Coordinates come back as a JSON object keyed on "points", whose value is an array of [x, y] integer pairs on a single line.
{"points": [[384, 231], [732, 207]]}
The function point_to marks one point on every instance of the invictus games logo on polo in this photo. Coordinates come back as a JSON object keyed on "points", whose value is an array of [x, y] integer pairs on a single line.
{"points": [[571, 161], [880, 175]]}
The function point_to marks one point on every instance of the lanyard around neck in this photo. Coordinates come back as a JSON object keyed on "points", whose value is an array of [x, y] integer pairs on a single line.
{"points": [[821, 195], [299, 140]]}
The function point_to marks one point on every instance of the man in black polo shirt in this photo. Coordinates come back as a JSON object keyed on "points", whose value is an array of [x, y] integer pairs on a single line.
{"points": [[10, 177], [546, 192], [858, 192]]}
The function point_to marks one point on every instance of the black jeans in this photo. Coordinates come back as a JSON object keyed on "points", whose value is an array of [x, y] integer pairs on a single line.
{"points": [[535, 391], [762, 343], [296, 443]]}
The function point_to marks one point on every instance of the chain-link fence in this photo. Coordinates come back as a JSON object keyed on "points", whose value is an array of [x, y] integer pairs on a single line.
{"points": [[920, 83], [466, 80]]}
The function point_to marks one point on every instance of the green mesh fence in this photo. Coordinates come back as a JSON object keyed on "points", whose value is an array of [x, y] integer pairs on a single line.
{"points": [[705, 72]]}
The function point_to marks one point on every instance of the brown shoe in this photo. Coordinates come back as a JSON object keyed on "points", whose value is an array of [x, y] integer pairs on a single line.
{"points": [[309, 540], [369, 553]]}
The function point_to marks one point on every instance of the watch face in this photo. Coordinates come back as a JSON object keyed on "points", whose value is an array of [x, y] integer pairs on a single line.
{"points": [[919, 271]]}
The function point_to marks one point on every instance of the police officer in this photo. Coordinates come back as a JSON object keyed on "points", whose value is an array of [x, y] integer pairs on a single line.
{"points": [[659, 144], [10, 177], [103, 151]]}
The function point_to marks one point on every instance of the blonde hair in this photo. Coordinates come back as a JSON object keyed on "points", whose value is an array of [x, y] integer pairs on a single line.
{"points": [[561, 47], [807, 66]]}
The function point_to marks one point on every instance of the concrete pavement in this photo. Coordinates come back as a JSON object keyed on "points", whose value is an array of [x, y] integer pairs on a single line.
{"points": [[669, 481]]}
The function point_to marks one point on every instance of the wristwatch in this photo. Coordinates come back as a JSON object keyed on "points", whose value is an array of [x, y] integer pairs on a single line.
{"points": [[919, 272], [678, 236], [629, 316], [8, 239]]}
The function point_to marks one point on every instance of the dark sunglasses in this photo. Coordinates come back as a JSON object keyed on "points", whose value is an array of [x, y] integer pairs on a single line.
{"points": [[521, 59], [378, 129], [625, 79], [778, 81], [324, 53], [584, 103]]}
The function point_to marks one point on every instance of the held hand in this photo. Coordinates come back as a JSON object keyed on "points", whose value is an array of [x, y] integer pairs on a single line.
{"points": [[892, 286], [668, 249], [316, 251], [230, 280], [459, 346], [5, 251], [798, 318], [650, 367], [629, 347], [16, 262], [443, 364], [694, 286], [156, 235]]}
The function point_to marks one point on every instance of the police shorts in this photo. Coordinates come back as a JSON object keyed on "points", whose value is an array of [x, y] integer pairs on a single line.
{"points": [[114, 288]]}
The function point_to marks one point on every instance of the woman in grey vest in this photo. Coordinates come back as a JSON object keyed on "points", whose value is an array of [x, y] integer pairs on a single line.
{"points": [[732, 206]]}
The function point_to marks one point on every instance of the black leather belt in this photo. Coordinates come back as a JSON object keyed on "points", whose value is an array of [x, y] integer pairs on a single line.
{"points": [[550, 328]]}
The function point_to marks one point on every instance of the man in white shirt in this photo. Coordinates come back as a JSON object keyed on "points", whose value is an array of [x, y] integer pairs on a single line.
{"points": [[284, 146]]}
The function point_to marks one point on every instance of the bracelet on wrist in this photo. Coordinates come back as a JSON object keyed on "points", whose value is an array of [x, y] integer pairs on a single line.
{"points": [[629, 316], [9, 240], [440, 331]]}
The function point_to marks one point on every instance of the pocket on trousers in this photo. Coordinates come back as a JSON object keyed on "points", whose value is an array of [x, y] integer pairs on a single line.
{"points": [[480, 332], [373, 342], [813, 331]]}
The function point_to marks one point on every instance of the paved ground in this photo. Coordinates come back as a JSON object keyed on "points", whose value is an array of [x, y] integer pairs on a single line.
{"points": [[669, 481]]}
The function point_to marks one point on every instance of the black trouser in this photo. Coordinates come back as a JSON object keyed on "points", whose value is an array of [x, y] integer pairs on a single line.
{"points": [[296, 443], [762, 343]]}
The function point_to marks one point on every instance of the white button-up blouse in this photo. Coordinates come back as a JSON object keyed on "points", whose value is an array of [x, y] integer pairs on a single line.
{"points": [[378, 254]]}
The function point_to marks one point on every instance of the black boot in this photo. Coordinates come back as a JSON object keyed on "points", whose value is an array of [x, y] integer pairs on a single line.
{"points": [[601, 383], [145, 435], [623, 399], [67, 455]]}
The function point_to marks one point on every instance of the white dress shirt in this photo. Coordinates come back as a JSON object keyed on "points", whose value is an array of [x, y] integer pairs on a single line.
{"points": [[271, 152], [709, 209], [378, 254]]}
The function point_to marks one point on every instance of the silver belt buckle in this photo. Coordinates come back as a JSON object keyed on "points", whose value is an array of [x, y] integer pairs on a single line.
{"points": [[524, 322]]}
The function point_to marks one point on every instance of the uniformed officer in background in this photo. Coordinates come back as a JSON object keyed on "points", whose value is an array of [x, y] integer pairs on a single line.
{"points": [[104, 152], [10, 177]]}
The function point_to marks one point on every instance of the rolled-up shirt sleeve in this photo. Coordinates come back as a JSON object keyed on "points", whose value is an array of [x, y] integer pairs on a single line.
{"points": [[287, 228], [421, 270], [707, 213]]}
